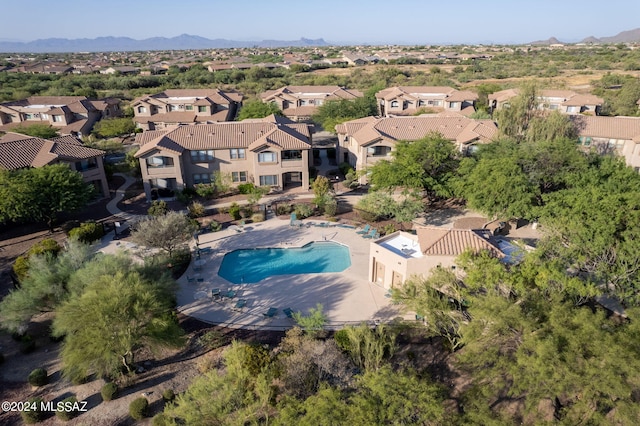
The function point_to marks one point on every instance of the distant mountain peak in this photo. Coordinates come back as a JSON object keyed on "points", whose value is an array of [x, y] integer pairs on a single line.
{"points": [[549, 41], [111, 43]]}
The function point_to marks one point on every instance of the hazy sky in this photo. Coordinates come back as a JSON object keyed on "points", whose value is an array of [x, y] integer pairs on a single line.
{"points": [[354, 21]]}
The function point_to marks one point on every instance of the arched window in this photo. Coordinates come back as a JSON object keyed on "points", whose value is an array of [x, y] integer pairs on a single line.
{"points": [[394, 104]]}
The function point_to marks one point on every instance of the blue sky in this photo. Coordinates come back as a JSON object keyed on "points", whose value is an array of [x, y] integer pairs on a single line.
{"points": [[352, 21]]}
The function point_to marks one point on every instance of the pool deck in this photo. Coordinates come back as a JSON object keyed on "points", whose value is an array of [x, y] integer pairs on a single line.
{"points": [[347, 297]]}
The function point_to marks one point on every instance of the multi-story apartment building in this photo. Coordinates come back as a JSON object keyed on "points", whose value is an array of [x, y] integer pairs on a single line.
{"points": [[563, 101], [185, 106], [411, 100], [18, 151], [299, 103], [619, 135], [268, 152], [69, 115], [363, 142]]}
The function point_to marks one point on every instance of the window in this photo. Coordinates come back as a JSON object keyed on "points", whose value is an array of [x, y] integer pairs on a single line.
{"points": [[204, 155], [202, 178], [188, 107], [57, 118], [378, 151], [394, 104], [553, 107], [44, 116], [269, 180], [453, 105], [31, 116], [202, 108], [572, 109], [267, 157], [239, 176], [585, 140], [237, 153], [291, 155], [160, 161], [173, 107], [141, 109], [88, 164]]}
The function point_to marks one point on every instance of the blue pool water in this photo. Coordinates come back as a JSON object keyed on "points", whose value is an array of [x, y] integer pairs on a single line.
{"points": [[253, 265]]}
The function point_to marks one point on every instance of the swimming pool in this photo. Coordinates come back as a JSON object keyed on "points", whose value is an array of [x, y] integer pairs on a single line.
{"points": [[254, 265]]}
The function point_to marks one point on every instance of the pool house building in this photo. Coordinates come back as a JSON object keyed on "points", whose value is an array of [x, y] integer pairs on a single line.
{"points": [[272, 151], [401, 255]]}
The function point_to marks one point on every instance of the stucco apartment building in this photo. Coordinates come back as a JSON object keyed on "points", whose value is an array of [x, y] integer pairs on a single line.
{"points": [[563, 101], [299, 103], [185, 106], [620, 135], [19, 151], [272, 151], [364, 141], [69, 115], [410, 100], [401, 255]]}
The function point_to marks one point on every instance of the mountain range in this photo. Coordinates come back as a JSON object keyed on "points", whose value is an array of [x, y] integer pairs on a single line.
{"points": [[111, 44], [629, 36], [186, 41]]}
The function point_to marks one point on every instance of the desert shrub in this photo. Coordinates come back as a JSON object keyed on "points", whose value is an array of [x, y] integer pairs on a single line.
{"points": [[212, 339], [87, 232], [138, 409], [342, 339], [34, 415], [303, 210], [246, 212], [257, 217], [158, 208], [196, 209], [109, 391], [367, 216], [282, 209], [46, 246], [65, 414], [161, 419], [168, 395], [27, 344], [234, 211], [246, 188], [38, 377], [184, 196], [345, 168], [350, 179], [389, 228], [205, 190], [215, 226], [331, 207]]}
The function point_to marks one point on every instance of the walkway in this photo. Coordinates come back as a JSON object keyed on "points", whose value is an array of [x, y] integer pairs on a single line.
{"points": [[112, 206]]}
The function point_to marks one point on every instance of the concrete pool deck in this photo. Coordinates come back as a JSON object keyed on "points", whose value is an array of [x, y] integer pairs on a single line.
{"points": [[347, 297]]}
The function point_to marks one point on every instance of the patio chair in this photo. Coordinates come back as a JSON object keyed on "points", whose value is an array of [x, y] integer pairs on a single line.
{"points": [[271, 312], [288, 312], [365, 230], [372, 233], [230, 294], [215, 293], [241, 303], [200, 279]]}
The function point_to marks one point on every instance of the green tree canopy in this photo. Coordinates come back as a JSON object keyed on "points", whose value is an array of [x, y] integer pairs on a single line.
{"points": [[168, 232], [40, 194], [44, 131], [114, 127], [258, 109], [114, 317], [424, 164]]}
